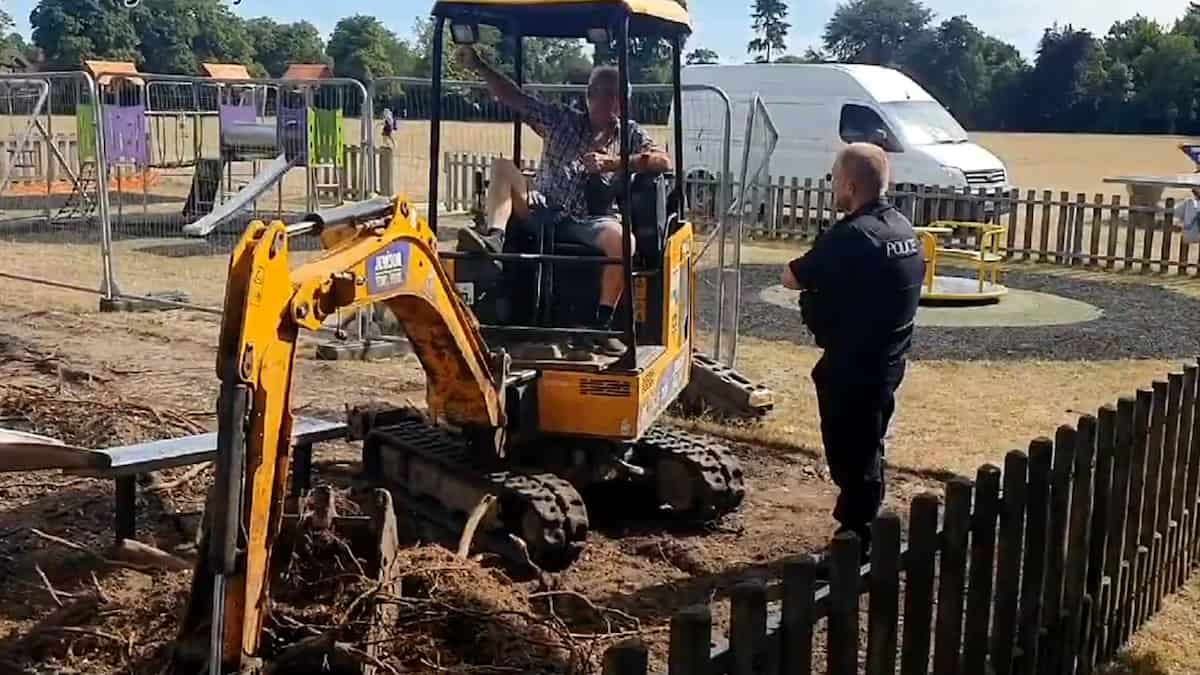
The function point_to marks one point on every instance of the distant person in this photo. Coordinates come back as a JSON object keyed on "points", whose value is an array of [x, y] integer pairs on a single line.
{"points": [[389, 124], [1187, 213], [860, 284]]}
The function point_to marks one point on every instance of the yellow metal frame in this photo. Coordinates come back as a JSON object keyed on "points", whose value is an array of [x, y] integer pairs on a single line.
{"points": [[985, 258], [664, 10]]}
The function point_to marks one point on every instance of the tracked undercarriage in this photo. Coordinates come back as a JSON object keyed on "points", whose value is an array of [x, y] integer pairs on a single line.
{"points": [[541, 513]]}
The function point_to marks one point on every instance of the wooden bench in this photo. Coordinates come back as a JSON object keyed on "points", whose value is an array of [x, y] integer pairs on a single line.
{"points": [[124, 464], [985, 256]]}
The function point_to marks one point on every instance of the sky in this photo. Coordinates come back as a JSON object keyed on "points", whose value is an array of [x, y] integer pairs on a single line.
{"points": [[724, 25]]}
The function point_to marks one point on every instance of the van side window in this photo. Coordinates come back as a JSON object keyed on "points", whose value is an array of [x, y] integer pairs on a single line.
{"points": [[860, 124]]}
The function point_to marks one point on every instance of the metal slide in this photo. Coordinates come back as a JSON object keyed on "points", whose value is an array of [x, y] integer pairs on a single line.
{"points": [[269, 176]]}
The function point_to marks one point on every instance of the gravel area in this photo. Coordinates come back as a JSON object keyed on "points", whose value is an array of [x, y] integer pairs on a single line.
{"points": [[1139, 321]]}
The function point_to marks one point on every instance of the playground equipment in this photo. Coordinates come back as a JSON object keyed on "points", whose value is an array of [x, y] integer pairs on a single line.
{"points": [[308, 131], [977, 247]]}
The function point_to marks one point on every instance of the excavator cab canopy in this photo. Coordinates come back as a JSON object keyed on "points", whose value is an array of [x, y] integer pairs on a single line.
{"points": [[613, 24]]}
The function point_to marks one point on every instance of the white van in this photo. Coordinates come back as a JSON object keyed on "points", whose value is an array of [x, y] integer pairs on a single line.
{"points": [[819, 108]]}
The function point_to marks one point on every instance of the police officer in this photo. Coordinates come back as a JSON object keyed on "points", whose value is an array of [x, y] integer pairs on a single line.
{"points": [[860, 284]]}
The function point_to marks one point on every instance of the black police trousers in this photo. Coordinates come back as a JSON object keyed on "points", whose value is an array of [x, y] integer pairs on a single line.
{"points": [[856, 405]]}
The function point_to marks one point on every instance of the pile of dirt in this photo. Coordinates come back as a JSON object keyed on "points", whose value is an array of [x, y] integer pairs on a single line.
{"points": [[434, 611]]}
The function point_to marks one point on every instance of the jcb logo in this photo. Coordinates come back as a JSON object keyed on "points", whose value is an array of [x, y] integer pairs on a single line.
{"points": [[902, 249]]}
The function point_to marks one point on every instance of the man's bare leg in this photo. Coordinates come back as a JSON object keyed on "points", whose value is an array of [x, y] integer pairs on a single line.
{"points": [[508, 193], [612, 280]]}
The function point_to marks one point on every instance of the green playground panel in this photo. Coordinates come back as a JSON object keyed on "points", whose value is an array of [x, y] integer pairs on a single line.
{"points": [[85, 129], [325, 137]]}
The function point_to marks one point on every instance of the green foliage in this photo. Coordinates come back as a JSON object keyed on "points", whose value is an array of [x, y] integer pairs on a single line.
{"points": [[276, 45], [875, 31], [701, 56], [176, 36], [770, 26], [362, 48], [70, 31]]}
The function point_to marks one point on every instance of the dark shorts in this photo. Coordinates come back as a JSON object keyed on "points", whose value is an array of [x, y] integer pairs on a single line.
{"points": [[580, 229]]}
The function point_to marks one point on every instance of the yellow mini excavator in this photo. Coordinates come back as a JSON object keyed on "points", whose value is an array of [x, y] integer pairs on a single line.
{"points": [[514, 411]]}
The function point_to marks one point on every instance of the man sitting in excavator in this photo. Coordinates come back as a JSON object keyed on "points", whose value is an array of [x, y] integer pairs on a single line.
{"points": [[578, 147]]}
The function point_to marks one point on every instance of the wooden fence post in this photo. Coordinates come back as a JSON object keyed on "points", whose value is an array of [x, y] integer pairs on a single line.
{"points": [[1168, 524], [1152, 538], [1097, 225], [1181, 511], [626, 658], [1056, 544], [1098, 581], [1193, 467], [843, 603], [1117, 563], [885, 595], [1008, 565], [386, 184], [952, 577], [748, 628], [799, 615], [691, 639], [918, 583], [1030, 205], [1079, 549], [807, 227], [1168, 215], [983, 551], [1033, 574], [1114, 227], [1134, 551]]}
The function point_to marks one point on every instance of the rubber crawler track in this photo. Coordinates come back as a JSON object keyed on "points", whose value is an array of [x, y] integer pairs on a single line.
{"points": [[714, 468], [558, 506]]}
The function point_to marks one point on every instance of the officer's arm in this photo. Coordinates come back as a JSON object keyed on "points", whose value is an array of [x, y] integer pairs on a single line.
{"points": [[813, 268]]}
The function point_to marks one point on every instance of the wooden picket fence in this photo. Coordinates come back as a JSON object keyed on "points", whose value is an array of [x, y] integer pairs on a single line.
{"points": [[1048, 566], [1100, 232]]}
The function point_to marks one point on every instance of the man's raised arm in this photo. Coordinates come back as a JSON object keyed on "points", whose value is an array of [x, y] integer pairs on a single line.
{"points": [[500, 86]]}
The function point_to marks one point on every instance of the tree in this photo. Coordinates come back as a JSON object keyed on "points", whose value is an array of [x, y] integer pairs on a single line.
{"points": [[176, 36], [792, 58], [701, 56], [1169, 72], [69, 31], [1069, 63], [277, 45], [875, 31], [362, 48], [771, 28]]}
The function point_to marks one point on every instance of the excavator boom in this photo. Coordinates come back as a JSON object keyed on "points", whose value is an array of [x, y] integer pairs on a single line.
{"points": [[266, 303]]}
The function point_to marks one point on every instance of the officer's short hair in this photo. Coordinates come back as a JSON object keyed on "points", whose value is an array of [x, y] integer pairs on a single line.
{"points": [[866, 166]]}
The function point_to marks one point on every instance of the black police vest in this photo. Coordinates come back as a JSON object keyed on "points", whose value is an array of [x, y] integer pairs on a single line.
{"points": [[869, 314]]}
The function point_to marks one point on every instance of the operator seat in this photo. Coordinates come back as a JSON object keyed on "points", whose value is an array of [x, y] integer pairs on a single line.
{"points": [[570, 292]]}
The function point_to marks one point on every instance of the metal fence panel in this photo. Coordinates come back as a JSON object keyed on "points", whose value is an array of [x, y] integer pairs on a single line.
{"points": [[177, 147], [53, 196]]}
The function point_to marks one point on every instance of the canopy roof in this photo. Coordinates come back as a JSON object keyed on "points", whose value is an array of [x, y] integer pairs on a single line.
{"points": [[225, 71], [106, 71]]}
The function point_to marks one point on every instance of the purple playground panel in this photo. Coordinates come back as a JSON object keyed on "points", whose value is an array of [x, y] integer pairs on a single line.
{"points": [[1193, 153], [125, 134], [232, 115]]}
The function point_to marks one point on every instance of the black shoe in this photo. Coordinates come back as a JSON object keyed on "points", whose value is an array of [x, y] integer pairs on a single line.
{"points": [[470, 240], [610, 346]]}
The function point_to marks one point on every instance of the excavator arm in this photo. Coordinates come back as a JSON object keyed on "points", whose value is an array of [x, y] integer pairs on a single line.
{"points": [[376, 251]]}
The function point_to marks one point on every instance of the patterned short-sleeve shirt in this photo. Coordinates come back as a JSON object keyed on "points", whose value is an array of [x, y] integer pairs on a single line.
{"points": [[566, 134]]}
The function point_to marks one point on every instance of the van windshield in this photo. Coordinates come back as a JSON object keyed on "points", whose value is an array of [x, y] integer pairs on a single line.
{"points": [[925, 122]]}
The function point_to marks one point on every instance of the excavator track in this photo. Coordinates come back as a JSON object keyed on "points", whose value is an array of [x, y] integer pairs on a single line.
{"points": [[435, 473], [698, 477]]}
